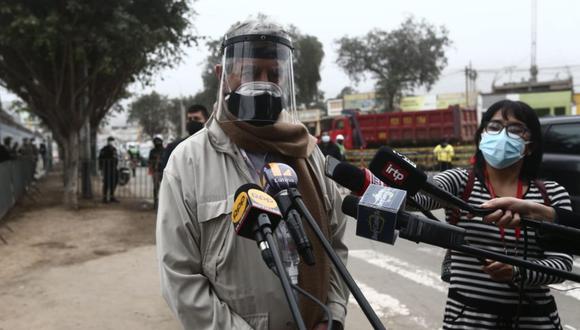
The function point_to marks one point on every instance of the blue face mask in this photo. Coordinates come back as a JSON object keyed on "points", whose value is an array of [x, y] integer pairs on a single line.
{"points": [[501, 151]]}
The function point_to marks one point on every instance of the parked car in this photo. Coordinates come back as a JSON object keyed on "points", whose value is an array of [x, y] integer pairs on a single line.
{"points": [[561, 161]]}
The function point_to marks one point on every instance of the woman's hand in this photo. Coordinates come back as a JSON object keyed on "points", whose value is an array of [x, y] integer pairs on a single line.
{"points": [[498, 271], [506, 219], [509, 211]]}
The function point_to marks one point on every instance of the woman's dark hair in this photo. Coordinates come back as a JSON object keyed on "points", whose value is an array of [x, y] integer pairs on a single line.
{"points": [[523, 112]]}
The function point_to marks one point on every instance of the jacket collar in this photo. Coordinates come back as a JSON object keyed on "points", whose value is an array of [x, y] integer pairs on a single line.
{"points": [[218, 138]]}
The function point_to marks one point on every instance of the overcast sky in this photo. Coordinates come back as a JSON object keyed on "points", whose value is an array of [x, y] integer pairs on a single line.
{"points": [[490, 34]]}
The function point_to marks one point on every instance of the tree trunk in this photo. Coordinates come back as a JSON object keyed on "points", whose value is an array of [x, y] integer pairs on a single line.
{"points": [[94, 129], [70, 170]]}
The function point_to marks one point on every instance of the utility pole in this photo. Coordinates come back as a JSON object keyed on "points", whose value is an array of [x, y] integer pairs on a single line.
{"points": [[470, 87], [534, 66]]}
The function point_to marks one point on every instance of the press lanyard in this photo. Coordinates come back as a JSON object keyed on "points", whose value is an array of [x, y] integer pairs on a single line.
{"points": [[519, 195]]}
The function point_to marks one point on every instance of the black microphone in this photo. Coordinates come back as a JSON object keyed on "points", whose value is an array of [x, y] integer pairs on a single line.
{"points": [[295, 199], [380, 217], [276, 179], [357, 180], [420, 229], [255, 213], [398, 171]]}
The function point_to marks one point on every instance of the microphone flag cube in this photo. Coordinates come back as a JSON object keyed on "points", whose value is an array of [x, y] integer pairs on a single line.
{"points": [[377, 213]]}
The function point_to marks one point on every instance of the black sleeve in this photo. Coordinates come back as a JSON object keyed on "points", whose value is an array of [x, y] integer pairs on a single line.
{"points": [[567, 218]]}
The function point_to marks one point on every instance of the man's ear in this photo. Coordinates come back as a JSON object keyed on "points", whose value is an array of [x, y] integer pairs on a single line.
{"points": [[218, 71]]}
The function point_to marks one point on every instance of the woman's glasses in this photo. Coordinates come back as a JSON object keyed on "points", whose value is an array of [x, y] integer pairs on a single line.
{"points": [[513, 130]]}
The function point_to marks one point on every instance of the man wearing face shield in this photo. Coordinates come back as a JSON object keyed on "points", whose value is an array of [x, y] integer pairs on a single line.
{"points": [[212, 278]]}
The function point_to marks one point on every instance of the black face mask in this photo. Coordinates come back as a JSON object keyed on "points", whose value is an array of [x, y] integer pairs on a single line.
{"points": [[158, 144], [258, 110], [193, 127]]}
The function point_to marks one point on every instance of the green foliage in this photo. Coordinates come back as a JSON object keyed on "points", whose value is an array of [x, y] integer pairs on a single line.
{"points": [[308, 55], [207, 96], [151, 112], [408, 57], [73, 59], [347, 90]]}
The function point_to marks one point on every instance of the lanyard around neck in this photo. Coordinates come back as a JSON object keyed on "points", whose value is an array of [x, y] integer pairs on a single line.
{"points": [[519, 195]]}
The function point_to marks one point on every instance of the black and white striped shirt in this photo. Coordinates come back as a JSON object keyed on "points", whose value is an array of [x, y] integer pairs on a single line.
{"points": [[467, 276]]}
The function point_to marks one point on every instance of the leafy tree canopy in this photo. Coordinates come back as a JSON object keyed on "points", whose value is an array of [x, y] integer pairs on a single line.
{"points": [[403, 59]]}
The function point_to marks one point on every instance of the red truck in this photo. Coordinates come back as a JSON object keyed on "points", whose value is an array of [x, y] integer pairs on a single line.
{"points": [[417, 128]]}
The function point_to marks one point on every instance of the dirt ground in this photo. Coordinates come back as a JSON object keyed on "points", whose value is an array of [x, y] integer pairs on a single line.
{"points": [[93, 268]]}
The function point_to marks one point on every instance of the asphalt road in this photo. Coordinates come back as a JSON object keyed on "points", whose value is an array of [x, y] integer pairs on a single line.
{"points": [[402, 284]]}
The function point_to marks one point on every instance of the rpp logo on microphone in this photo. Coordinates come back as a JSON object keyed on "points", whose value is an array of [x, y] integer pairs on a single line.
{"points": [[394, 173]]}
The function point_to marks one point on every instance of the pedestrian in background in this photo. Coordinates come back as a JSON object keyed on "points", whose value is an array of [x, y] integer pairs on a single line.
{"points": [[155, 168], [328, 147], [444, 154], [108, 162], [196, 117], [340, 145]]}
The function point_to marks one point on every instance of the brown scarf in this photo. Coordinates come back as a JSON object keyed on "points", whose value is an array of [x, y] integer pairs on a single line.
{"points": [[293, 142]]}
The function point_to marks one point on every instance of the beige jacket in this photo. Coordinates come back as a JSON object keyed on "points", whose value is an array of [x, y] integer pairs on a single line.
{"points": [[210, 277]]}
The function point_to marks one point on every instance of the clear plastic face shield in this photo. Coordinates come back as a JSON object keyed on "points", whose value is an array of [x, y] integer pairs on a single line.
{"points": [[257, 81]]}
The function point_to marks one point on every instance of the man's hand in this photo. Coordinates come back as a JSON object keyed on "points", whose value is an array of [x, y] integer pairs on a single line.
{"points": [[498, 271]]}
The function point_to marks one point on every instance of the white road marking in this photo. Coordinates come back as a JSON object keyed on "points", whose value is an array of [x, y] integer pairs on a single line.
{"points": [[567, 285], [402, 268], [386, 306], [432, 251]]}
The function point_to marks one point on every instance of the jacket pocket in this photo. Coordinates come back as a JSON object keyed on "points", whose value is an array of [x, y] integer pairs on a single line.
{"points": [[216, 225], [257, 321]]}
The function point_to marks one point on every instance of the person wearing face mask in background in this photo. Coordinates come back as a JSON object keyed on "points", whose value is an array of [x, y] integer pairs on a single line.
{"points": [[328, 147], [154, 165], [210, 277], [108, 162], [340, 145], [196, 117], [487, 292]]}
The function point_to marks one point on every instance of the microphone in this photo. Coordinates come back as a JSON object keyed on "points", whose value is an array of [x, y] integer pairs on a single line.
{"points": [[251, 204], [254, 215], [380, 217], [398, 171], [276, 179], [291, 196], [420, 229], [357, 180]]}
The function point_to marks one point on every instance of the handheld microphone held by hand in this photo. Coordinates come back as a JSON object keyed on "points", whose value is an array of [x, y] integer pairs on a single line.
{"points": [[349, 176], [379, 207], [398, 171], [357, 180], [407, 225], [276, 179]]}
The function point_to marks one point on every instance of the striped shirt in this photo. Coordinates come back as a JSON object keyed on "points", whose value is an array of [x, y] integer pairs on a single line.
{"points": [[467, 276]]}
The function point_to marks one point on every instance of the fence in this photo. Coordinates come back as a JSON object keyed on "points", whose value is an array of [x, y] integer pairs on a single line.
{"points": [[129, 181], [423, 157], [15, 179]]}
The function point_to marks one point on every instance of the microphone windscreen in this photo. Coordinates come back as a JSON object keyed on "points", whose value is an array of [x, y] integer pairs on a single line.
{"points": [[397, 171], [349, 176], [245, 188], [350, 205]]}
